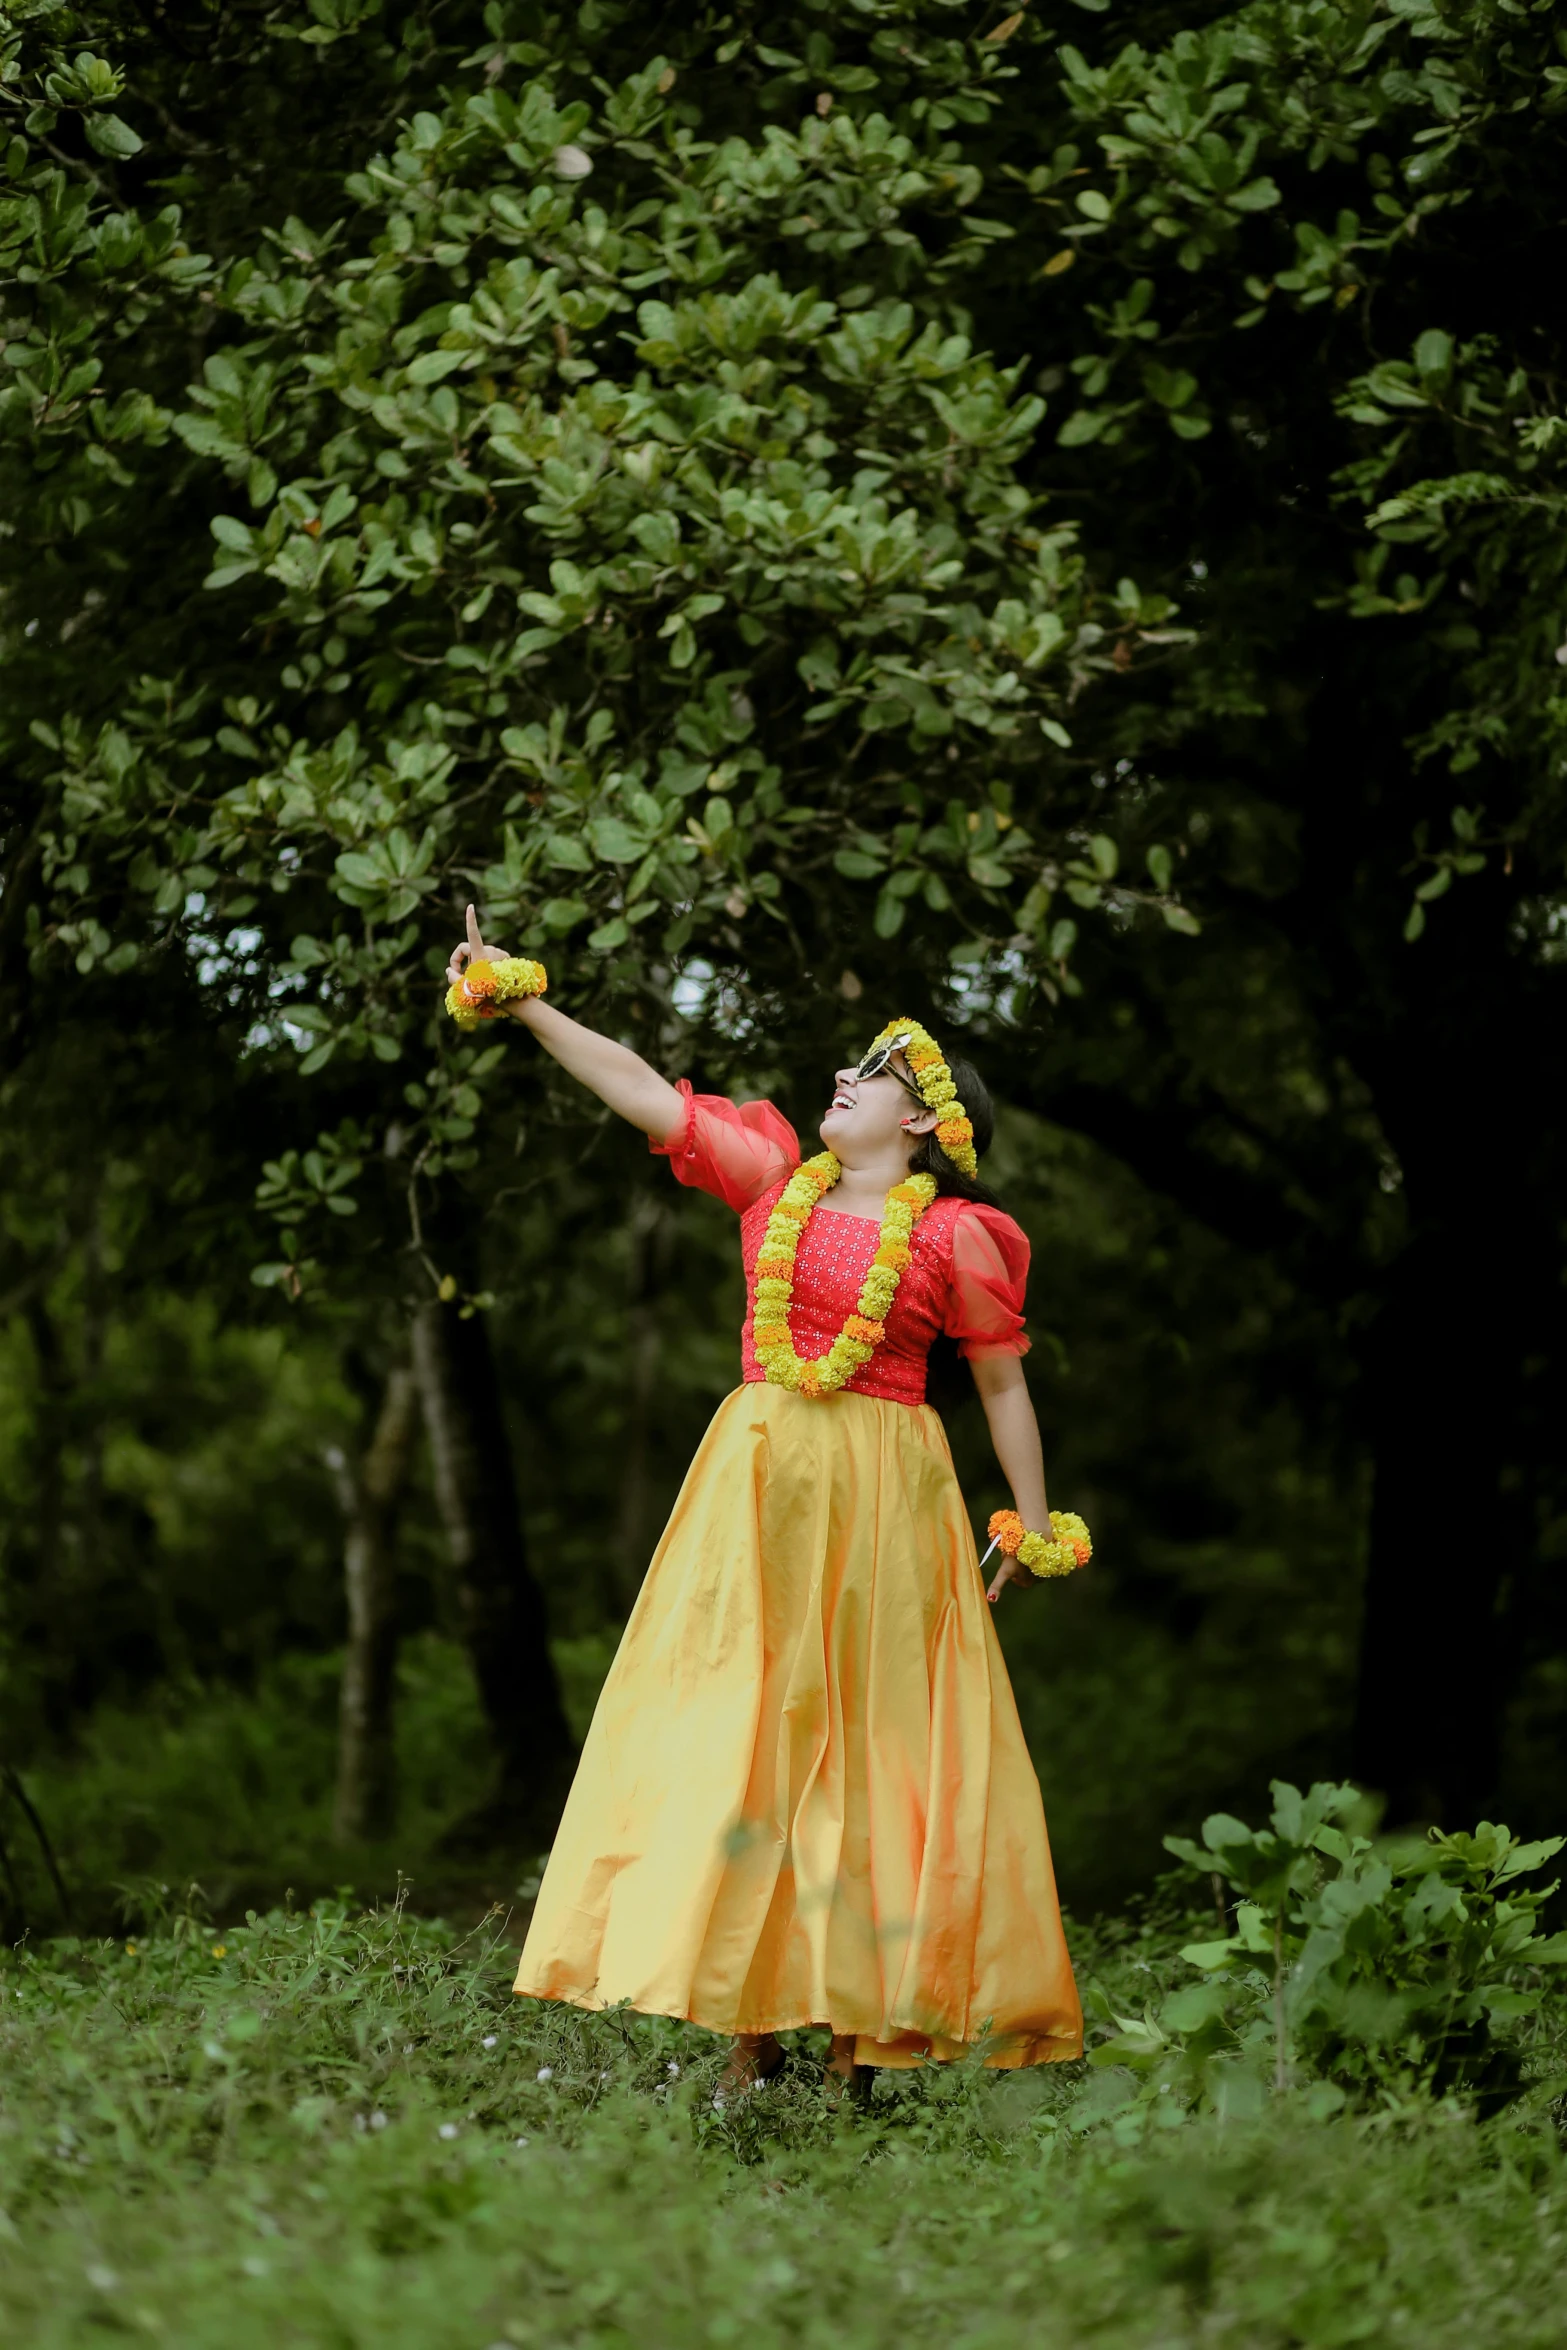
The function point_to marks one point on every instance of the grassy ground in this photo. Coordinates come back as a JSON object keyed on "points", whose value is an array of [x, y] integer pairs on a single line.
{"points": [[236, 1789], [331, 2131]]}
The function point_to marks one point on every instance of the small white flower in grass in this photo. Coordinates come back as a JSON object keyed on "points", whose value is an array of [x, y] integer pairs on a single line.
{"points": [[673, 2070], [519, 2141], [447, 2130], [101, 2279], [488, 2041], [546, 2072], [378, 2120], [571, 163]]}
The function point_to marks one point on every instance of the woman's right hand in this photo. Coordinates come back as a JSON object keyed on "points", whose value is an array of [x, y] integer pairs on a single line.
{"points": [[472, 949]]}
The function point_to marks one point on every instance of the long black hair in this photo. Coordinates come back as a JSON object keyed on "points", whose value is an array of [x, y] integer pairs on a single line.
{"points": [[928, 1157]]}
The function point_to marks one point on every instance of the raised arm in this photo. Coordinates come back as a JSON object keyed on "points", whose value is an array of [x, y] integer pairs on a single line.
{"points": [[619, 1077]]}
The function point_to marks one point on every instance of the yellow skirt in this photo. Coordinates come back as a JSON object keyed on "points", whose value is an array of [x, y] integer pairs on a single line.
{"points": [[805, 1797]]}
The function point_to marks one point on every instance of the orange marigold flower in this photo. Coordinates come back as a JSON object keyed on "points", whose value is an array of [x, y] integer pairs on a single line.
{"points": [[894, 1254], [860, 1326], [1007, 1529], [479, 982]]}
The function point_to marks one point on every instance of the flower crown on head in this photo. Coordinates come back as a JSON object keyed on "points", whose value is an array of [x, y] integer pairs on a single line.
{"points": [[928, 1068]]}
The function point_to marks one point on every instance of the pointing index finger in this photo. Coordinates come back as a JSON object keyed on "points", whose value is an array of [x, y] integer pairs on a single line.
{"points": [[475, 942]]}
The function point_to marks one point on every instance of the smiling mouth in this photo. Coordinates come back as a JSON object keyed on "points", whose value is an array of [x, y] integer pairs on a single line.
{"points": [[842, 1101]]}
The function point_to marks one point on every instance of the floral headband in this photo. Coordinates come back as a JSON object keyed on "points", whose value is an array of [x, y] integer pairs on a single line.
{"points": [[933, 1082]]}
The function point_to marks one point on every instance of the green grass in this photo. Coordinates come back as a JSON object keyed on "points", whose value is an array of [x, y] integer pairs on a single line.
{"points": [[329, 2130], [235, 1789]]}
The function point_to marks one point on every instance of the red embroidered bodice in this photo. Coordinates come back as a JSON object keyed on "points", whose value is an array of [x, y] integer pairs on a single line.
{"points": [[966, 1279]]}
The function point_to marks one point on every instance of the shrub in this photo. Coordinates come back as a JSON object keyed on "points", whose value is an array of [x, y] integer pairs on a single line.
{"points": [[1375, 1971]]}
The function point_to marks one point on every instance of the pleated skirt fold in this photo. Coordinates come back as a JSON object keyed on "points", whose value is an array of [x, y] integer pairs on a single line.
{"points": [[805, 1796]]}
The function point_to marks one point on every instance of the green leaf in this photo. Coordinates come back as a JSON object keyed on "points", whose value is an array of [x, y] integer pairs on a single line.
{"points": [[431, 366], [360, 871], [1434, 352], [614, 843], [108, 135], [1210, 1955]]}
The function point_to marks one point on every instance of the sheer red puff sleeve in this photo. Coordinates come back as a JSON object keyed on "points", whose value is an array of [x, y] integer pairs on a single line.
{"points": [[989, 1276], [735, 1150]]}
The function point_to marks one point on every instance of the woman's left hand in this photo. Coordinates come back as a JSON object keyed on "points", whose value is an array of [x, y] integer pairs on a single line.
{"points": [[1009, 1571]]}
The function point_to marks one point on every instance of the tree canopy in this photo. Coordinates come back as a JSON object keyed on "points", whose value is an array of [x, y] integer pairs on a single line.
{"points": [[1046, 517]]}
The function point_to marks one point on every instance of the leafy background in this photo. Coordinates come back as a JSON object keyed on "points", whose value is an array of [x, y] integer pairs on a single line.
{"points": [[1049, 519], [1041, 518]]}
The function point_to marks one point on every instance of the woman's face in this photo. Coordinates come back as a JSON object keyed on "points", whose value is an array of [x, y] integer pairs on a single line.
{"points": [[869, 1114]]}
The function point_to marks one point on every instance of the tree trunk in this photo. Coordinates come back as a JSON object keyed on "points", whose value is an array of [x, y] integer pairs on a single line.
{"points": [[369, 1494], [1428, 1701], [499, 1605], [649, 1249], [49, 1605], [1456, 1458]]}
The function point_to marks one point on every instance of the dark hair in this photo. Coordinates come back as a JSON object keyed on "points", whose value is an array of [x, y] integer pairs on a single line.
{"points": [[928, 1157]]}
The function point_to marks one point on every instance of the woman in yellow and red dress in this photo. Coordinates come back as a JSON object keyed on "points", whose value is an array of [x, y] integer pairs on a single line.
{"points": [[805, 1797]]}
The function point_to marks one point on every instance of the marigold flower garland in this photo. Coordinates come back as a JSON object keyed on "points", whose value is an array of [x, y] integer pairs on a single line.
{"points": [[928, 1068], [1041, 1554], [485, 987], [865, 1328]]}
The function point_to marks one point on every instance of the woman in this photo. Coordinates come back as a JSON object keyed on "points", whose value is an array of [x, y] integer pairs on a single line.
{"points": [[805, 1796]]}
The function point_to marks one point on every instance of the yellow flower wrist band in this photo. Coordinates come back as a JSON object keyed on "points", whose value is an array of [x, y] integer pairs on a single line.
{"points": [[485, 988], [1044, 1555]]}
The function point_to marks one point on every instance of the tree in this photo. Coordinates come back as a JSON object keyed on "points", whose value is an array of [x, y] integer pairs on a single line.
{"points": [[640, 486]]}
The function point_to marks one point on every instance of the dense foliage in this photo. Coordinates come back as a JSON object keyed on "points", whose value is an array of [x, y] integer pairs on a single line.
{"points": [[1047, 516], [341, 2127]]}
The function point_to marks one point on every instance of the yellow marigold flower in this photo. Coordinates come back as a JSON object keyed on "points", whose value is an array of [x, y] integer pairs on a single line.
{"points": [[1044, 1555], [485, 986], [773, 1280], [934, 1082]]}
